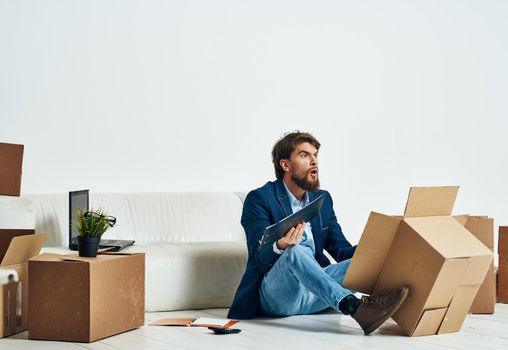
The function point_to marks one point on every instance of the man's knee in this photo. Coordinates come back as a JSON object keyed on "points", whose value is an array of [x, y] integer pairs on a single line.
{"points": [[293, 252]]}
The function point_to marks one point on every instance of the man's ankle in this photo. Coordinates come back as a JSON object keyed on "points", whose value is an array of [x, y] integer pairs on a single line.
{"points": [[349, 304]]}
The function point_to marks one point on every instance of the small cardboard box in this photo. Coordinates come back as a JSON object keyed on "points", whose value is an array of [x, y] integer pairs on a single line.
{"points": [[429, 251], [85, 299], [502, 272], [11, 163], [16, 247], [482, 227]]}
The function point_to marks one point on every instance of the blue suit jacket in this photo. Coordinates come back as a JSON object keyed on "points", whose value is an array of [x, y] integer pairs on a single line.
{"points": [[266, 206]]}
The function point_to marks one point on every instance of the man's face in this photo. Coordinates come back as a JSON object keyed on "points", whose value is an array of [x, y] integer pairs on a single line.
{"points": [[303, 167]]}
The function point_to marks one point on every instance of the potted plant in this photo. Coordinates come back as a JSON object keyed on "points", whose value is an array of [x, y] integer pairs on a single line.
{"points": [[90, 227]]}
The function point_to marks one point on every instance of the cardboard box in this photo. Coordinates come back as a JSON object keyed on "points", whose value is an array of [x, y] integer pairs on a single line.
{"points": [[496, 269], [16, 247], [482, 227], [429, 251], [11, 163], [502, 273], [85, 299]]}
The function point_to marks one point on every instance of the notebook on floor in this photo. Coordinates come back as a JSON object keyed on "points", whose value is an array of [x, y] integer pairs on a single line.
{"points": [[80, 200]]}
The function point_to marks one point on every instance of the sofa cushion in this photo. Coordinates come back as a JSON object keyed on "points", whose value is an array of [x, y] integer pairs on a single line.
{"points": [[195, 275]]}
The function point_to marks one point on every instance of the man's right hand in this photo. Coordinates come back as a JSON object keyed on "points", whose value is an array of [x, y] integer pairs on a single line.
{"points": [[292, 237]]}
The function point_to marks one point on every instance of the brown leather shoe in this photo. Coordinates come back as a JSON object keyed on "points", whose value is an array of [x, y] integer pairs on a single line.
{"points": [[374, 310]]}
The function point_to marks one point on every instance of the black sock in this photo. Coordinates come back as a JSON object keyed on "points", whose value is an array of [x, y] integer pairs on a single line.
{"points": [[349, 304]]}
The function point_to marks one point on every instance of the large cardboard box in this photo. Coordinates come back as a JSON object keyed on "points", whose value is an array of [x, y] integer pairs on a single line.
{"points": [[11, 162], [16, 247], [502, 272], [85, 299], [429, 251], [482, 227]]}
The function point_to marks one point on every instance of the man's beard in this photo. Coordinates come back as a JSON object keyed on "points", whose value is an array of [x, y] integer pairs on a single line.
{"points": [[305, 184]]}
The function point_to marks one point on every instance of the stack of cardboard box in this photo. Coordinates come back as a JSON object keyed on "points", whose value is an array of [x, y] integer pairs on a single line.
{"points": [[71, 298], [17, 246], [502, 273]]}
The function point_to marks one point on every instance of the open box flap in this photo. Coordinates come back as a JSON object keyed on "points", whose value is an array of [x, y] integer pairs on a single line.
{"points": [[457, 311], [6, 236], [431, 201], [23, 248], [430, 322]]}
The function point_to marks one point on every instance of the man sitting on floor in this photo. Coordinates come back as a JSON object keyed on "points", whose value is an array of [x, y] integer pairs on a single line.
{"points": [[294, 276]]}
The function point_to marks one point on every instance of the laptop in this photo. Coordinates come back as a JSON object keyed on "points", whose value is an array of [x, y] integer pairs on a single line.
{"points": [[80, 200]]}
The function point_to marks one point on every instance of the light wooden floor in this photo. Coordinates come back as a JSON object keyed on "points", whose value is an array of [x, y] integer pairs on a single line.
{"points": [[314, 332]]}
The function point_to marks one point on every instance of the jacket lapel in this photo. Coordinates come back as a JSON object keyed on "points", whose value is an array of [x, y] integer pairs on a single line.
{"points": [[282, 197], [316, 223]]}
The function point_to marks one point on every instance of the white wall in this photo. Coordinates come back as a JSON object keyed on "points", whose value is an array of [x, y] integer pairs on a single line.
{"points": [[127, 96]]}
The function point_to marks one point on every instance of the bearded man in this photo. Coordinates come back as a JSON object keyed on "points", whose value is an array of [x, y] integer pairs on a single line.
{"points": [[293, 276]]}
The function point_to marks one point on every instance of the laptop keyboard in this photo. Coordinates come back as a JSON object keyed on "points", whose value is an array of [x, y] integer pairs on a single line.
{"points": [[112, 242], [117, 244]]}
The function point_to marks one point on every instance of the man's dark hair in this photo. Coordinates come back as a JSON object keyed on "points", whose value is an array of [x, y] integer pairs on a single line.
{"points": [[286, 145]]}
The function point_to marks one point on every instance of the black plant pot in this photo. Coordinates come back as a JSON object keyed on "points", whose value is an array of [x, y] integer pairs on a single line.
{"points": [[88, 246]]}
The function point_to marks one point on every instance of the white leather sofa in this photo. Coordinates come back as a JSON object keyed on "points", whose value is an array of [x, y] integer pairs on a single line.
{"points": [[194, 243]]}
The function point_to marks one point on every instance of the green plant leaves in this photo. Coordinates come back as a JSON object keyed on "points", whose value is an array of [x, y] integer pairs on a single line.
{"points": [[92, 225]]}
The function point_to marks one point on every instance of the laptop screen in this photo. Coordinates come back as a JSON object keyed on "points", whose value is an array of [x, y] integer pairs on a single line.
{"points": [[77, 200]]}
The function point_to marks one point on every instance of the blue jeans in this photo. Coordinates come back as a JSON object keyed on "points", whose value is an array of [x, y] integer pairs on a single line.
{"points": [[297, 284]]}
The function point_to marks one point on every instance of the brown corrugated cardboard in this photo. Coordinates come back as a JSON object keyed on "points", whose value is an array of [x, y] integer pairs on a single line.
{"points": [[462, 219], [85, 299], [428, 250], [6, 237], [502, 245], [16, 246], [502, 273], [485, 300], [430, 201], [502, 284], [11, 164], [482, 227]]}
